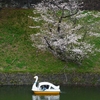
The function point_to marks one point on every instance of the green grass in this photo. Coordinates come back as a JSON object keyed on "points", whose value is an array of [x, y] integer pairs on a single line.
{"points": [[18, 55], [16, 51]]}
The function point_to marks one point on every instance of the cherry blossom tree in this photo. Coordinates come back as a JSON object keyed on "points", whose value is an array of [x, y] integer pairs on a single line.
{"points": [[60, 32]]}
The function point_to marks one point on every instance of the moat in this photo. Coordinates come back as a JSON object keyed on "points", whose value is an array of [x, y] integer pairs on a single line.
{"points": [[68, 92]]}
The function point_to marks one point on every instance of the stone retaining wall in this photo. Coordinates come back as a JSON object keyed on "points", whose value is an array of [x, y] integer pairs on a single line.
{"points": [[86, 79]]}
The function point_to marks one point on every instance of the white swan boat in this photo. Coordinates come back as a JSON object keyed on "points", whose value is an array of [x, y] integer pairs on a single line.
{"points": [[45, 88]]}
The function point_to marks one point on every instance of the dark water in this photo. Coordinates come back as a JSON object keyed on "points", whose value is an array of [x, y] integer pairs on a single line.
{"points": [[68, 93]]}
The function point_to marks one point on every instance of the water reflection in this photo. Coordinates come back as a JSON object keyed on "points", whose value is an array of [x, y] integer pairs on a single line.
{"points": [[45, 97]]}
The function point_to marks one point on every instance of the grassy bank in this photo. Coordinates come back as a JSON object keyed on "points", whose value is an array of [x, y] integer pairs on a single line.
{"points": [[18, 55]]}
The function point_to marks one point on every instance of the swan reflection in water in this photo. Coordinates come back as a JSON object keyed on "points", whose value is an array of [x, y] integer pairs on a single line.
{"points": [[46, 97]]}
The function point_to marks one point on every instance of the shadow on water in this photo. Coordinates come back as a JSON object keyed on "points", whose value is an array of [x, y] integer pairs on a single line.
{"points": [[67, 93]]}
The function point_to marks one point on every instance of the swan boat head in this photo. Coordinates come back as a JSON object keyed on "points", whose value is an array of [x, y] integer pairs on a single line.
{"points": [[36, 77]]}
